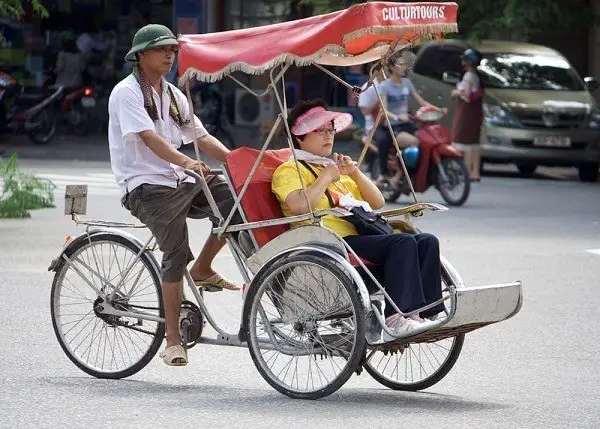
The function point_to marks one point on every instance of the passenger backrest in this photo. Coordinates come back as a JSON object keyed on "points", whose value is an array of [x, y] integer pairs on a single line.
{"points": [[259, 203]]}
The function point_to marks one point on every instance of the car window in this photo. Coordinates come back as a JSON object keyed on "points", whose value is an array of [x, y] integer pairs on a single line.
{"points": [[529, 71], [435, 61]]}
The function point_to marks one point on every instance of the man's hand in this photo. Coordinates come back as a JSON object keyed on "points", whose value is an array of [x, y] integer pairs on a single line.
{"points": [[403, 117], [197, 166]]}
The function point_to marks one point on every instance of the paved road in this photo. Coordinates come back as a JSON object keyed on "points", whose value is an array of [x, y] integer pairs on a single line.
{"points": [[540, 369]]}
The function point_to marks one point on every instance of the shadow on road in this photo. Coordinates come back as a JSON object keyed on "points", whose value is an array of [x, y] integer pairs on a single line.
{"points": [[251, 400]]}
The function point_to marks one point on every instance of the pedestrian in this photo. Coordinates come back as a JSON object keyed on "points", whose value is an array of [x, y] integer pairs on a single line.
{"points": [[468, 113], [148, 121], [70, 63]]}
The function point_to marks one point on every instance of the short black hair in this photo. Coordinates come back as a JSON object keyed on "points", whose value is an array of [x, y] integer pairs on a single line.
{"points": [[300, 109]]}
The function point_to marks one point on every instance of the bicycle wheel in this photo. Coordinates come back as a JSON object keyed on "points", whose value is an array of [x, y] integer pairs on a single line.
{"points": [[107, 346], [416, 366], [305, 326]]}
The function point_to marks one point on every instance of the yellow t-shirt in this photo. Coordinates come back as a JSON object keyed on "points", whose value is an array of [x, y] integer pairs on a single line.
{"points": [[286, 181]]}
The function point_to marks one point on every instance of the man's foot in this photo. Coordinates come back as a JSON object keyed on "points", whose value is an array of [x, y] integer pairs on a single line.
{"points": [[174, 356]]}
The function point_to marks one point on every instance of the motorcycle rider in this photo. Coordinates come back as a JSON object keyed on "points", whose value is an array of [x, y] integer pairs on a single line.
{"points": [[395, 93]]}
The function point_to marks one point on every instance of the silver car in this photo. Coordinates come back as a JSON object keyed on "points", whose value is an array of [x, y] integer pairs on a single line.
{"points": [[537, 109]]}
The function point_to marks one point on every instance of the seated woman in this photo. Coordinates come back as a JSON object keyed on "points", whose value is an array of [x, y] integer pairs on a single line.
{"points": [[411, 263]]}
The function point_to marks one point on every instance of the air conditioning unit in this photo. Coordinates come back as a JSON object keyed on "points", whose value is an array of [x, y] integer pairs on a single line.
{"points": [[252, 110]]}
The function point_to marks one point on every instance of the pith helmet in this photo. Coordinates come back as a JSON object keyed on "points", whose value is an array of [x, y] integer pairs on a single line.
{"points": [[150, 36]]}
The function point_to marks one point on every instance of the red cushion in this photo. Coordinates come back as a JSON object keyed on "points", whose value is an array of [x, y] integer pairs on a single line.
{"points": [[259, 202]]}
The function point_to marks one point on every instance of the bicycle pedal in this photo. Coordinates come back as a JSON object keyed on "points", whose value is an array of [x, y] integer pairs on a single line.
{"points": [[210, 288]]}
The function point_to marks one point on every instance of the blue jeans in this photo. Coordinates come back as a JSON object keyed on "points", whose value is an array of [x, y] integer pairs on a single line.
{"points": [[384, 142], [411, 268]]}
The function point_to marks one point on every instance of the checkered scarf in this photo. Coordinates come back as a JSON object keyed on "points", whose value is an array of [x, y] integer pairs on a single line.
{"points": [[149, 103]]}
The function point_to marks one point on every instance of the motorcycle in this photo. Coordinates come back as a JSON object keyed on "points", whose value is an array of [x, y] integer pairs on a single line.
{"points": [[209, 106], [433, 163], [28, 111], [76, 105]]}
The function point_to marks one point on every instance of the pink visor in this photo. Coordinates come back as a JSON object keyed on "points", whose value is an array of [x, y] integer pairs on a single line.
{"points": [[317, 117]]}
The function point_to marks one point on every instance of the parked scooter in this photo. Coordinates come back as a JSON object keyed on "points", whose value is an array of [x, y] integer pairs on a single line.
{"points": [[433, 163], [28, 111]]}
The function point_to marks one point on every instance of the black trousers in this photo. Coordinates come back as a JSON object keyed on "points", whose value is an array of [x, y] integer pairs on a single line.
{"points": [[411, 268]]}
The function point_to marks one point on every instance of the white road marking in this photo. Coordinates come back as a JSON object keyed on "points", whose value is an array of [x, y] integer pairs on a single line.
{"points": [[594, 251]]}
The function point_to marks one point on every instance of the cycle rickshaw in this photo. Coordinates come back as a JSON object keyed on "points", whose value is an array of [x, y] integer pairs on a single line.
{"points": [[308, 298]]}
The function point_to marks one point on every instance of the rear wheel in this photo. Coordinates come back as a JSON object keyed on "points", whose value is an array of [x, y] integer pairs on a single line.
{"points": [[103, 345], [79, 119], [305, 326], [457, 186], [589, 172]]}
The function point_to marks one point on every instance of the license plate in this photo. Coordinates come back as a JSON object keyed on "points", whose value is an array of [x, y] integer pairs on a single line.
{"points": [[552, 141], [88, 102]]}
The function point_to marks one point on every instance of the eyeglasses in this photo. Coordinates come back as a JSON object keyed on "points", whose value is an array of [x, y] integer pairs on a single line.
{"points": [[325, 131]]}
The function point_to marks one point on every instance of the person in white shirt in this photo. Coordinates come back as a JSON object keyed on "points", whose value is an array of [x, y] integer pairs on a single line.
{"points": [[148, 121]]}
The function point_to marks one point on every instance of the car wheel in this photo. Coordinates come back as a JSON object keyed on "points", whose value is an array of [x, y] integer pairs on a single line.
{"points": [[526, 169], [589, 172]]}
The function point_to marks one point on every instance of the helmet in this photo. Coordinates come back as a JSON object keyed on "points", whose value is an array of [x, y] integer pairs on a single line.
{"points": [[150, 36], [471, 56], [411, 156]]}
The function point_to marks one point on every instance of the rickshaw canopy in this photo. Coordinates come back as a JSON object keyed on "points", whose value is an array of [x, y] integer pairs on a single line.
{"points": [[359, 34]]}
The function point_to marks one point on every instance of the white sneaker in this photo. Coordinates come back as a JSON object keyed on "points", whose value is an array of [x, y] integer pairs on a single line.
{"points": [[416, 318], [398, 325]]}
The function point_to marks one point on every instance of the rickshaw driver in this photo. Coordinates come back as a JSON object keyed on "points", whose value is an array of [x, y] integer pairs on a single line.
{"points": [[148, 122]]}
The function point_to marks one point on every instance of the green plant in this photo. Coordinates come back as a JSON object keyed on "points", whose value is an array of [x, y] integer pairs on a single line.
{"points": [[14, 8], [22, 192]]}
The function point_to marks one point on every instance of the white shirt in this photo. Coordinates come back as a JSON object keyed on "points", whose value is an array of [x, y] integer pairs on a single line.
{"points": [[367, 98], [133, 163]]}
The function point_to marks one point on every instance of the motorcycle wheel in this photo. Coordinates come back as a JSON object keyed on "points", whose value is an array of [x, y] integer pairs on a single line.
{"points": [[79, 119], [47, 127], [457, 190]]}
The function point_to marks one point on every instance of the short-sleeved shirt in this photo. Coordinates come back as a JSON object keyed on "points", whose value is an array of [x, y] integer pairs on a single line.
{"points": [[397, 96], [132, 161], [367, 98], [286, 180]]}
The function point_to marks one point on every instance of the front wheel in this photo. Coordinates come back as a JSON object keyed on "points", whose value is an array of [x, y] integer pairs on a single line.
{"points": [[103, 345], [43, 126], [589, 172], [456, 185], [305, 326], [417, 366]]}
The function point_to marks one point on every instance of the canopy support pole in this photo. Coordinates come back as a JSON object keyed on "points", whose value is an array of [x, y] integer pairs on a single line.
{"points": [[290, 139], [211, 201]]}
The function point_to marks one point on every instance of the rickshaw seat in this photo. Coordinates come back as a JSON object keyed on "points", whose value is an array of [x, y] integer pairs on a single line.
{"points": [[259, 203]]}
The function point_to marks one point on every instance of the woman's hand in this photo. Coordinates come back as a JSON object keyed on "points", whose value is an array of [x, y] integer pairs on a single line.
{"points": [[332, 173], [345, 164]]}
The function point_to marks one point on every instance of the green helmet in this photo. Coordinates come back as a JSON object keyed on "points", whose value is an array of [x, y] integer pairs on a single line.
{"points": [[150, 36]]}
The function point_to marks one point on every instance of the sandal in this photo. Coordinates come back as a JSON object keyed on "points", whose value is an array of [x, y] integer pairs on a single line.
{"points": [[216, 281], [174, 356]]}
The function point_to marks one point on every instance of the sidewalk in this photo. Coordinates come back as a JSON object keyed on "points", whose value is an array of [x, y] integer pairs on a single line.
{"points": [[95, 148]]}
